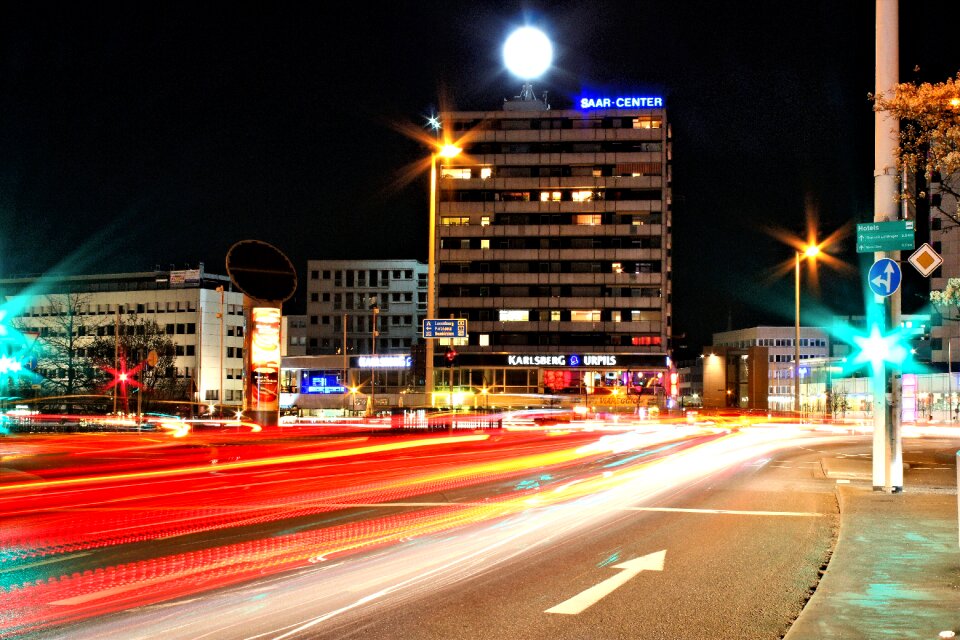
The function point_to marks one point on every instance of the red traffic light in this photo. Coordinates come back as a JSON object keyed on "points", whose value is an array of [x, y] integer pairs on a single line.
{"points": [[451, 355]]}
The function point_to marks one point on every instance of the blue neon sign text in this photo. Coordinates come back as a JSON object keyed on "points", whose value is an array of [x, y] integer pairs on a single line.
{"points": [[622, 102]]}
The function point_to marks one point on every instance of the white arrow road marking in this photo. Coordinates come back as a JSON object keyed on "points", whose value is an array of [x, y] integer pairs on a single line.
{"points": [[630, 568]]}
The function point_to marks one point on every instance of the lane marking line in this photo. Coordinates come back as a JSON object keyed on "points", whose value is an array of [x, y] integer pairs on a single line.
{"points": [[795, 514]]}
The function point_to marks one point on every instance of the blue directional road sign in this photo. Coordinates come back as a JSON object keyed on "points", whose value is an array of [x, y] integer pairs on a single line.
{"points": [[453, 328], [884, 277]]}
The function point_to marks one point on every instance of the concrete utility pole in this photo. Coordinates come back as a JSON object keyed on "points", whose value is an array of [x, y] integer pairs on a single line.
{"points": [[887, 449]]}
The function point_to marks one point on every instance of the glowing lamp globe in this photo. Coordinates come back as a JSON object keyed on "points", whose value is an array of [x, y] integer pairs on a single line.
{"points": [[527, 53]]}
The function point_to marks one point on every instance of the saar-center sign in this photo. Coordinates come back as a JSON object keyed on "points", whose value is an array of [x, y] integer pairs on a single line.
{"points": [[622, 102]]}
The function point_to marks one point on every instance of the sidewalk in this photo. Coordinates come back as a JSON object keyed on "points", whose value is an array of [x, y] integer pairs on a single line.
{"points": [[895, 572]]}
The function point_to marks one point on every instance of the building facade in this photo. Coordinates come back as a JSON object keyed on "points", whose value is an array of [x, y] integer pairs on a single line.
{"points": [[346, 297], [735, 377], [781, 354], [205, 323], [945, 240], [553, 241], [294, 330]]}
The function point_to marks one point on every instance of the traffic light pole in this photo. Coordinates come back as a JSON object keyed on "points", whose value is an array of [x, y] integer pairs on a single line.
{"points": [[887, 446]]}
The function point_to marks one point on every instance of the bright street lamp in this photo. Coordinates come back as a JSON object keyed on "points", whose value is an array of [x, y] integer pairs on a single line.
{"points": [[527, 53], [446, 151], [810, 252]]}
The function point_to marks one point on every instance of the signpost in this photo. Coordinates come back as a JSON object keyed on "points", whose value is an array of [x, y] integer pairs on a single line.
{"points": [[453, 328], [885, 236], [884, 277]]}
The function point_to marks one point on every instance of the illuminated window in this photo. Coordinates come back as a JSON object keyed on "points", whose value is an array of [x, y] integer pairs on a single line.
{"points": [[554, 316], [582, 196], [544, 196], [484, 243], [651, 315], [647, 122], [591, 219], [486, 172], [484, 340], [458, 173], [586, 315], [455, 221], [485, 221], [615, 316], [514, 315], [617, 267]]}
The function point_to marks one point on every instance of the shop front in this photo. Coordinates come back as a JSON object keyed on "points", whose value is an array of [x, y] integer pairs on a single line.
{"points": [[617, 382]]}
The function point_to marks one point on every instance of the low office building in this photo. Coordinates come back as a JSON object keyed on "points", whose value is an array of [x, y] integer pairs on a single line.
{"points": [[199, 311], [735, 377], [349, 300], [781, 356]]}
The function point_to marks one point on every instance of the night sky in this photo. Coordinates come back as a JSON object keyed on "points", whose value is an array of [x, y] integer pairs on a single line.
{"points": [[138, 135]]}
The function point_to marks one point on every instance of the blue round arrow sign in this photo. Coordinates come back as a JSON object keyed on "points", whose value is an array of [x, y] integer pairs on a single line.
{"points": [[884, 277]]}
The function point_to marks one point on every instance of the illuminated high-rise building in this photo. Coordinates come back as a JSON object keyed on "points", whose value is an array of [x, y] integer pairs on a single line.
{"points": [[553, 242]]}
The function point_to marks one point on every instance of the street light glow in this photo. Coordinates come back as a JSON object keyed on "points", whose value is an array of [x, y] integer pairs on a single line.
{"points": [[527, 53], [449, 151], [812, 251]]}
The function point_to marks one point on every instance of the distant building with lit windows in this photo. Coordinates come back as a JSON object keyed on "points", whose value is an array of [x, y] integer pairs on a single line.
{"points": [[781, 353], [553, 241], [343, 293]]}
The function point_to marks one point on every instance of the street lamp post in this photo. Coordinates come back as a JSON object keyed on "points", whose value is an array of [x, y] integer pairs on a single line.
{"points": [[446, 151], [220, 316], [373, 351], [949, 380], [810, 251]]}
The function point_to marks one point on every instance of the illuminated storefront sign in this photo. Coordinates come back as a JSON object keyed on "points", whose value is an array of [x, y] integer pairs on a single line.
{"points": [[385, 362], [314, 382], [562, 360], [537, 361], [622, 102], [265, 359]]}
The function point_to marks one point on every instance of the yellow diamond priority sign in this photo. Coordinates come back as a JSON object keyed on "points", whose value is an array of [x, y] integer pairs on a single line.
{"points": [[925, 260]]}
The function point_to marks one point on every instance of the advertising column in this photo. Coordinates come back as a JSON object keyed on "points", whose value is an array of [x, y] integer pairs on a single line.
{"points": [[262, 343], [267, 279]]}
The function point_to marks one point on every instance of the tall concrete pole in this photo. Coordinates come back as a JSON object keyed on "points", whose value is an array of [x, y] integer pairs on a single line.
{"points": [[887, 450], [431, 280], [796, 340]]}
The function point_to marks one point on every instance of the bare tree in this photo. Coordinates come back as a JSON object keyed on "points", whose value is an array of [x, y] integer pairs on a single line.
{"points": [[64, 329], [134, 339]]}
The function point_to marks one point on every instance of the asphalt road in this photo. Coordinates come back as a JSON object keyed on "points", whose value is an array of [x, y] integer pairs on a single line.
{"points": [[745, 574], [730, 537]]}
